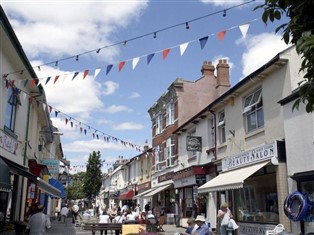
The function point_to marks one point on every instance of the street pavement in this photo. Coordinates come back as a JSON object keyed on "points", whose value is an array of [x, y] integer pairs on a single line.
{"points": [[68, 228]]}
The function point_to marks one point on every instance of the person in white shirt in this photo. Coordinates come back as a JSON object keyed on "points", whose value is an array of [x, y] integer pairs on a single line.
{"points": [[64, 213], [104, 219], [130, 218], [119, 219], [39, 222]]}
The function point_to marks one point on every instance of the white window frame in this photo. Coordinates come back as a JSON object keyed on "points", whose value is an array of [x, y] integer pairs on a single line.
{"points": [[11, 108], [169, 151], [158, 124], [169, 114], [221, 127], [253, 111], [158, 162]]}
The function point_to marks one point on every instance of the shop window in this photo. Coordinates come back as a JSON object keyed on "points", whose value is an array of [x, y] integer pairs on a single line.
{"points": [[253, 111], [307, 188], [257, 201]]}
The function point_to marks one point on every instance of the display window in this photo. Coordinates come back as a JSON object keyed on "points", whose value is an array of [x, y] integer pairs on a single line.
{"points": [[307, 188], [257, 201]]}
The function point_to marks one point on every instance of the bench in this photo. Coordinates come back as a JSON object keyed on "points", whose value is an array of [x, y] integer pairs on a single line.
{"points": [[103, 226]]}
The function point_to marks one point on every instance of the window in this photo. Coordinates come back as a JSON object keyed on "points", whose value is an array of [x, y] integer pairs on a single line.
{"points": [[158, 158], [13, 101], [192, 154], [169, 151], [221, 128], [158, 124], [253, 111], [257, 200], [211, 133], [169, 114]]}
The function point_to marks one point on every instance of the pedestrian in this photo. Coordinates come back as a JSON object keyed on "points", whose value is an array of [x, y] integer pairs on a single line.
{"points": [[119, 219], [203, 228], [39, 222], [63, 213], [192, 226], [104, 219], [225, 217], [147, 207], [75, 210]]}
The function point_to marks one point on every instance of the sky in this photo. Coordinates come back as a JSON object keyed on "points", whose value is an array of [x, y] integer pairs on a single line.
{"points": [[61, 38]]}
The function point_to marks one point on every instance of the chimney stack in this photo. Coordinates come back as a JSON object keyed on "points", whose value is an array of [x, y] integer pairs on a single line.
{"points": [[207, 68], [223, 79]]}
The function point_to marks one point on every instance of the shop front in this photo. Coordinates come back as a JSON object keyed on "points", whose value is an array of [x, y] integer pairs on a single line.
{"points": [[141, 190], [251, 184], [186, 183]]}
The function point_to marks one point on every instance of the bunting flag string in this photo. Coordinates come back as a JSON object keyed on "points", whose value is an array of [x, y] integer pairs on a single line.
{"points": [[74, 122], [154, 33], [202, 41]]}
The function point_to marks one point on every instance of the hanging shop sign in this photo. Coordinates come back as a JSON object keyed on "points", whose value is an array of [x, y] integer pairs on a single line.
{"points": [[194, 143], [52, 165], [8, 143]]}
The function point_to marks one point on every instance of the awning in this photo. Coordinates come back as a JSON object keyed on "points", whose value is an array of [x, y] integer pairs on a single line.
{"points": [[20, 170], [5, 184], [48, 188], [57, 184], [157, 190], [143, 193], [231, 180], [126, 195]]}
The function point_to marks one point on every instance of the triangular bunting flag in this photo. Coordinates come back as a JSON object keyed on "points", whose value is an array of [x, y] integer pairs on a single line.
{"points": [[121, 64], [25, 83], [50, 109], [97, 71], [183, 48], [71, 124], [48, 79], [135, 61], [221, 35], [85, 131], [203, 42], [56, 79], [85, 73], [33, 83], [109, 67], [150, 57], [56, 113], [165, 53], [75, 74], [244, 28], [66, 121]]}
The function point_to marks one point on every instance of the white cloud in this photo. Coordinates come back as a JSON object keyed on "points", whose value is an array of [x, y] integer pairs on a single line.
{"points": [[134, 95], [92, 145], [69, 27], [259, 50], [110, 87], [129, 126], [79, 96], [117, 108], [224, 3]]}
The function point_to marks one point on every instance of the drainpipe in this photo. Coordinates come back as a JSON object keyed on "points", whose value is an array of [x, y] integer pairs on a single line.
{"points": [[25, 156]]}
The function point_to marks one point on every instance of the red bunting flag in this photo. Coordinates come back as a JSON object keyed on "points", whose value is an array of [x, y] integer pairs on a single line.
{"points": [[221, 35], [121, 64], [66, 121], [165, 53], [33, 83], [56, 79], [50, 109], [85, 73]]}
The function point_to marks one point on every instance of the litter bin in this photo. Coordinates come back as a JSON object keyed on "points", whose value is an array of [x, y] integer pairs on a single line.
{"points": [[177, 220]]}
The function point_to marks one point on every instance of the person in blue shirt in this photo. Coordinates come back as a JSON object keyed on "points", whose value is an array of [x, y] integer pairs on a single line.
{"points": [[203, 228]]}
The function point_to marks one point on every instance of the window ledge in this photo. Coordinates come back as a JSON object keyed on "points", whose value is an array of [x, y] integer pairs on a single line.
{"points": [[224, 145], [255, 132], [191, 158], [211, 150]]}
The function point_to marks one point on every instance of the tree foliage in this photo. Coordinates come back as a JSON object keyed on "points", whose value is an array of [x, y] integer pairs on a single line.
{"points": [[75, 190], [299, 32], [92, 180]]}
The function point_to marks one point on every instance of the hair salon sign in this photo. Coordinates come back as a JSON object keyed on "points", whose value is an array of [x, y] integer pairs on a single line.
{"points": [[250, 157]]}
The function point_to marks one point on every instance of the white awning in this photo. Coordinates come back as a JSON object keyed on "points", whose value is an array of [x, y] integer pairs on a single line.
{"points": [[231, 179], [48, 188], [143, 193], [157, 190]]}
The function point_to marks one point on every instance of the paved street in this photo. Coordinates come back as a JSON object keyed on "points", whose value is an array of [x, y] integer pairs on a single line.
{"points": [[68, 228]]}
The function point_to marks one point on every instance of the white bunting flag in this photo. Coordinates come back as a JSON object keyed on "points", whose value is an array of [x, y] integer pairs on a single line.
{"points": [[183, 47], [97, 71], [244, 28], [135, 61]]}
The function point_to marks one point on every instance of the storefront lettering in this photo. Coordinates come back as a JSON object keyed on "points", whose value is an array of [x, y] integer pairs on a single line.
{"points": [[255, 155]]}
